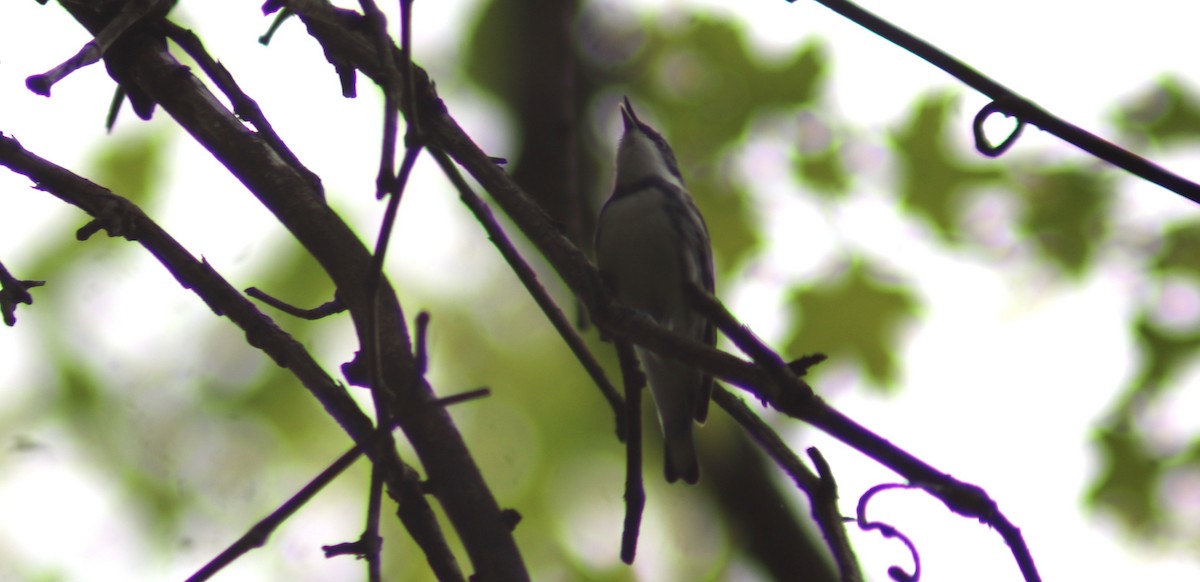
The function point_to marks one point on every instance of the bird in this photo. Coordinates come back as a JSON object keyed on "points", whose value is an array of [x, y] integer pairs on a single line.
{"points": [[651, 243]]}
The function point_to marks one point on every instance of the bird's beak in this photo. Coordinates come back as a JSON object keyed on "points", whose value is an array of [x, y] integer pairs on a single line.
{"points": [[628, 115]]}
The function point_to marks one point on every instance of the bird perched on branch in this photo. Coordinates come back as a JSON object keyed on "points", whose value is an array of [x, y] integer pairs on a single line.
{"points": [[651, 243]]}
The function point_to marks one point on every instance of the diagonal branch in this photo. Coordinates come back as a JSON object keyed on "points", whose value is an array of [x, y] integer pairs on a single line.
{"points": [[529, 278], [1006, 101], [820, 489], [778, 387], [14, 291], [455, 478], [120, 217]]}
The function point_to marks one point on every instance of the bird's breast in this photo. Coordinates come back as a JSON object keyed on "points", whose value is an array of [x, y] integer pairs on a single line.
{"points": [[637, 250]]}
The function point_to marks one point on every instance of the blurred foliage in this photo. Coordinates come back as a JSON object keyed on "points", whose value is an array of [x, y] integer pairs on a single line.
{"points": [[857, 318], [1165, 354], [818, 159], [704, 89], [1128, 482], [935, 179], [545, 425], [132, 164], [1180, 251], [1135, 464], [1167, 114], [1066, 212]]}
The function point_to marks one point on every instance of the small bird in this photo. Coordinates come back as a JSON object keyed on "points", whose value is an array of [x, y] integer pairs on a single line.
{"points": [[651, 242]]}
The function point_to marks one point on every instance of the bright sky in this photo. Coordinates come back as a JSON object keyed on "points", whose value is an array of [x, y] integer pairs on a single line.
{"points": [[1004, 379]]}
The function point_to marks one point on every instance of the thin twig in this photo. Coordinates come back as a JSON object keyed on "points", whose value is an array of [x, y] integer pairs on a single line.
{"points": [[889, 531], [283, 15], [331, 307], [258, 535], [829, 519], [371, 540], [529, 278], [787, 386], [389, 216], [1006, 101], [421, 339], [120, 217], [461, 397], [131, 12], [768, 440], [820, 488], [385, 181], [468, 502], [408, 100], [244, 106], [14, 291], [635, 494]]}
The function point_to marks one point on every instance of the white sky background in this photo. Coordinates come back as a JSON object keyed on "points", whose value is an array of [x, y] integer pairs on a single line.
{"points": [[995, 351]]}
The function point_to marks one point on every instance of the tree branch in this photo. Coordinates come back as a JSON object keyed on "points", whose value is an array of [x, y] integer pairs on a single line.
{"points": [[1008, 102], [13, 292], [767, 381], [120, 217], [290, 196]]}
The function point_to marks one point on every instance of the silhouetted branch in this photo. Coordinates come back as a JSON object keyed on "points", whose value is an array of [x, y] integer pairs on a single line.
{"points": [[258, 535], [331, 307], [385, 181], [795, 399], [635, 494], [119, 217], [13, 291], [145, 64], [243, 105], [261, 532], [1009, 103], [829, 519], [821, 490], [349, 44], [888, 531], [130, 14], [283, 15], [529, 278]]}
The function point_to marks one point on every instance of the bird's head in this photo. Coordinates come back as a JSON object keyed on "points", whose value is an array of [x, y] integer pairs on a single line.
{"points": [[643, 153]]}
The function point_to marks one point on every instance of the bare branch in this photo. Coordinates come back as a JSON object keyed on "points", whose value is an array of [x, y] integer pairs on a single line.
{"points": [[119, 217], [1006, 101], [258, 535], [14, 291], [130, 14], [530, 279], [820, 489], [635, 494], [331, 307], [288, 194], [444, 134]]}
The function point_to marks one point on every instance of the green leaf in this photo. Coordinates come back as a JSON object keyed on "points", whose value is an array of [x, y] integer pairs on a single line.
{"points": [[1180, 249], [1164, 354], [857, 317], [1166, 115], [934, 182], [707, 85], [823, 172], [1066, 212], [132, 166], [1130, 475], [731, 223], [490, 57]]}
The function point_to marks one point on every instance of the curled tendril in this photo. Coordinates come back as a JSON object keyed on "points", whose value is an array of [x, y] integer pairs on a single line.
{"points": [[982, 144], [894, 572]]}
